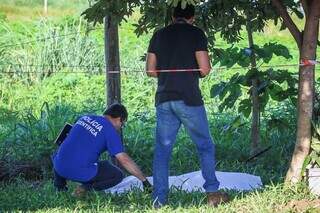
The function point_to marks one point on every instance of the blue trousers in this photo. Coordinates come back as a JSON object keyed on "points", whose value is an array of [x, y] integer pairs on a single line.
{"points": [[170, 116], [108, 175]]}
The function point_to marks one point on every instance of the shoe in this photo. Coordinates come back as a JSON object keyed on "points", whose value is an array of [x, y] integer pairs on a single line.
{"points": [[79, 192], [61, 189], [217, 198]]}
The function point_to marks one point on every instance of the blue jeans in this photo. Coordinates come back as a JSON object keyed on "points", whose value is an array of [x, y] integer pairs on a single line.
{"points": [[170, 116]]}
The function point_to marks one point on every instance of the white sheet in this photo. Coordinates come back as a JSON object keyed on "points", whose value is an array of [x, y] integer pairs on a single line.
{"points": [[193, 181]]}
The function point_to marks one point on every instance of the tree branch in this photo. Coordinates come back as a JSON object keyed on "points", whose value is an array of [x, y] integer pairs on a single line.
{"points": [[305, 7], [282, 11]]}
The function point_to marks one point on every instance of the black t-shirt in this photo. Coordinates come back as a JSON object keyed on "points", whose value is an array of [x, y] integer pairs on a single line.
{"points": [[175, 47]]}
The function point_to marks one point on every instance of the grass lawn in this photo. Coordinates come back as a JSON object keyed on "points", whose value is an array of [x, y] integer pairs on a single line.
{"points": [[41, 197]]}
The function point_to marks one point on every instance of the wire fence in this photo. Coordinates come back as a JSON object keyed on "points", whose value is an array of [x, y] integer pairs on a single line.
{"points": [[101, 28], [15, 68], [98, 28], [125, 69]]}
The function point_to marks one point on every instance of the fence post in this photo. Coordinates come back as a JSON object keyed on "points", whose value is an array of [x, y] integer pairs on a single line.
{"points": [[45, 7]]}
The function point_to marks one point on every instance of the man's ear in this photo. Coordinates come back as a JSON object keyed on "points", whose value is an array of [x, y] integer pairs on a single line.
{"points": [[191, 20], [118, 119]]}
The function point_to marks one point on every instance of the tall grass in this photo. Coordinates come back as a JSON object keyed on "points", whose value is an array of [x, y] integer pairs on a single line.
{"points": [[53, 48]]}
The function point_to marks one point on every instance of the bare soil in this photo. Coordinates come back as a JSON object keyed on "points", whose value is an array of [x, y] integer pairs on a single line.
{"points": [[302, 206]]}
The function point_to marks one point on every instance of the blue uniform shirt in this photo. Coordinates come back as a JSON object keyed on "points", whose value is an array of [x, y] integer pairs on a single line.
{"points": [[78, 155]]}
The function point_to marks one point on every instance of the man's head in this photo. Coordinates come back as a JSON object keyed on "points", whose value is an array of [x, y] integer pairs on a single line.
{"points": [[186, 13], [117, 114]]}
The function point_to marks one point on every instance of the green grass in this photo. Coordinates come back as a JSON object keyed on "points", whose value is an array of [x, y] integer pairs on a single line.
{"points": [[35, 197], [28, 10]]}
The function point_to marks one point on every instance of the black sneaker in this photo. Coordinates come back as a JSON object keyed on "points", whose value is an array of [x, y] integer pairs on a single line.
{"points": [[61, 189]]}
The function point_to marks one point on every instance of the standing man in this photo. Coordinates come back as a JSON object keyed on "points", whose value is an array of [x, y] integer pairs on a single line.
{"points": [[77, 158], [178, 100]]}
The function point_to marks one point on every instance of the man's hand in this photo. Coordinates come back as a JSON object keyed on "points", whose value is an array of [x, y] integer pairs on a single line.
{"points": [[128, 164], [147, 187], [203, 62]]}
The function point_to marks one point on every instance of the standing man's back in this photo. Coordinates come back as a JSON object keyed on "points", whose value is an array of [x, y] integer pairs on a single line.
{"points": [[181, 48], [175, 47]]}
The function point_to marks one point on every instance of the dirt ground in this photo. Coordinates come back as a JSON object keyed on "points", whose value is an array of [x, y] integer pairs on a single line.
{"points": [[302, 206]]}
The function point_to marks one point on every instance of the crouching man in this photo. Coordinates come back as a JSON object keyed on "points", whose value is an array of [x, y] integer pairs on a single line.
{"points": [[77, 158]]}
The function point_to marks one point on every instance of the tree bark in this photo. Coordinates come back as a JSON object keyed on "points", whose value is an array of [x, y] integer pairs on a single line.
{"points": [[304, 4], [112, 59], [306, 93], [255, 125], [282, 11]]}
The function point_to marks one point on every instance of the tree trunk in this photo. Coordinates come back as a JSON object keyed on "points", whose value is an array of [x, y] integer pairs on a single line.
{"points": [[112, 58], [306, 93], [255, 125], [113, 88]]}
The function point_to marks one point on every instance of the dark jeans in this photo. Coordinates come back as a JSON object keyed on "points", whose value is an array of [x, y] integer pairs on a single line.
{"points": [[108, 175]]}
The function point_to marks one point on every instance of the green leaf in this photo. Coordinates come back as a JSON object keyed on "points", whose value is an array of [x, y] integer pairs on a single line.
{"points": [[235, 93], [314, 156], [283, 26], [245, 107], [318, 161], [298, 13], [283, 51], [275, 91], [183, 4], [264, 100], [316, 128], [236, 122], [216, 89], [306, 162], [294, 100], [224, 92], [244, 61]]}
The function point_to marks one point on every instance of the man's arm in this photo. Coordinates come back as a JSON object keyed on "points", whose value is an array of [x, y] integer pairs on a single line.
{"points": [[151, 65], [130, 165], [203, 62]]}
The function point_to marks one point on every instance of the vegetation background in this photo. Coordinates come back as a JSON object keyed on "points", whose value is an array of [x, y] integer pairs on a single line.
{"points": [[52, 70]]}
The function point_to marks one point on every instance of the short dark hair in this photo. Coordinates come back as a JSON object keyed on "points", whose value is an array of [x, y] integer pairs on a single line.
{"points": [[117, 110], [186, 13]]}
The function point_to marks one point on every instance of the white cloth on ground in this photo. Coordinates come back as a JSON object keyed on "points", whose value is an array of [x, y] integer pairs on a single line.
{"points": [[193, 181]]}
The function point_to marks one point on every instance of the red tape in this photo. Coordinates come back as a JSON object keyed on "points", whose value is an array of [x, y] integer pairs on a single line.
{"points": [[308, 62]]}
